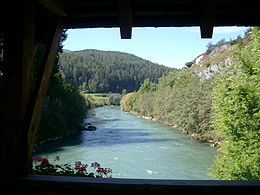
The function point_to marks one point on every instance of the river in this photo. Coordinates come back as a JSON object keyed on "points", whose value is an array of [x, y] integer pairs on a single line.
{"points": [[134, 148]]}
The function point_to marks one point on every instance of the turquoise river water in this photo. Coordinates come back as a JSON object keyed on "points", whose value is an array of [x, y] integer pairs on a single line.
{"points": [[134, 148]]}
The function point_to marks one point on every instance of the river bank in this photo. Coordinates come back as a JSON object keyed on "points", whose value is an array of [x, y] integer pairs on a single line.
{"points": [[38, 144], [211, 138]]}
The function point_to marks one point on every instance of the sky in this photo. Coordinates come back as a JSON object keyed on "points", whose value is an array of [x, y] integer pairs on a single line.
{"points": [[171, 47]]}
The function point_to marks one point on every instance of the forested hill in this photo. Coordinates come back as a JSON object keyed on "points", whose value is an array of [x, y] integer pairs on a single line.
{"points": [[108, 71]]}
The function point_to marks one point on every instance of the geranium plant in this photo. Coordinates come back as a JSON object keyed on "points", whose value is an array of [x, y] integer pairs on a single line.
{"points": [[42, 166]]}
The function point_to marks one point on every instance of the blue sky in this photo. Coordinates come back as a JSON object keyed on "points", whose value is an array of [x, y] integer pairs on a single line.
{"points": [[171, 47]]}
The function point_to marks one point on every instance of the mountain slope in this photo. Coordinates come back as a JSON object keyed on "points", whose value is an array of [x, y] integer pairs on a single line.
{"points": [[217, 56], [108, 71]]}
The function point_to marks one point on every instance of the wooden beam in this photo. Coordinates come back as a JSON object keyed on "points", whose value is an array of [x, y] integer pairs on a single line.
{"points": [[27, 74], [18, 70], [56, 185], [206, 31], [54, 6], [41, 86], [125, 18], [208, 13]]}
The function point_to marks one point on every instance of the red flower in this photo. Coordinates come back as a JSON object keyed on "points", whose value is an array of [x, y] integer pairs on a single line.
{"points": [[104, 170], [45, 161], [80, 167]]}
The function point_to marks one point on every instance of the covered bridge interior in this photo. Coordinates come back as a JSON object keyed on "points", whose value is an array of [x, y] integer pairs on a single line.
{"points": [[32, 25]]}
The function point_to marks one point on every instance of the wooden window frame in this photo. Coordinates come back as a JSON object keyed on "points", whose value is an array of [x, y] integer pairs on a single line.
{"points": [[24, 104]]}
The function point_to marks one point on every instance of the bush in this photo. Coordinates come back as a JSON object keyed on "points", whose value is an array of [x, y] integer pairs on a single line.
{"points": [[236, 106], [127, 102]]}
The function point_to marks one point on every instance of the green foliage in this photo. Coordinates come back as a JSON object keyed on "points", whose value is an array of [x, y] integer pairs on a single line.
{"points": [[180, 98], [238, 161], [64, 108], [102, 99], [211, 46], [106, 71], [114, 98], [95, 100], [127, 102], [237, 114], [147, 86]]}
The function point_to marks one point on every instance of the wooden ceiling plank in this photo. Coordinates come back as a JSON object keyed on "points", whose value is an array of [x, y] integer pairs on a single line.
{"points": [[208, 14], [125, 18], [54, 6]]}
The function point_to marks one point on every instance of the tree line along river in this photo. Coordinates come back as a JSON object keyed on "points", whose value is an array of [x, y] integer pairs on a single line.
{"points": [[133, 147]]}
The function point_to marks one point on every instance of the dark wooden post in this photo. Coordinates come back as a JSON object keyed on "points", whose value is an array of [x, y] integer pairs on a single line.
{"points": [[23, 99], [125, 18], [18, 63], [208, 18]]}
